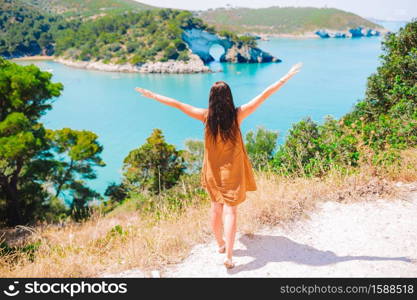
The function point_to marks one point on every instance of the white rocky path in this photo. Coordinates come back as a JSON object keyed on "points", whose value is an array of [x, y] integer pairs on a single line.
{"points": [[363, 239]]}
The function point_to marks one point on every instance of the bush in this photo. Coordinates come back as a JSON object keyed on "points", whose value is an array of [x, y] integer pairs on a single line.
{"points": [[170, 52], [395, 80], [29, 249], [298, 153], [179, 45], [227, 34], [260, 145], [247, 40], [154, 166], [132, 47], [183, 56], [121, 61], [160, 45], [193, 155], [389, 111], [116, 192], [137, 59], [114, 47]]}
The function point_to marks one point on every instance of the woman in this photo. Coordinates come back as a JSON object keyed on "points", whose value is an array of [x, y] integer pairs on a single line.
{"points": [[227, 173]]}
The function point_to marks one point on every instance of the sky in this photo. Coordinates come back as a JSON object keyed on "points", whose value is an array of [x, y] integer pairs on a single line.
{"points": [[391, 10]]}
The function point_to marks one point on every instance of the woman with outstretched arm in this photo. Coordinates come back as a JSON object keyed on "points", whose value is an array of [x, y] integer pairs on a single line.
{"points": [[227, 172]]}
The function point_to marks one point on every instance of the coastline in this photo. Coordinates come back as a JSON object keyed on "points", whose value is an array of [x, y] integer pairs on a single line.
{"points": [[194, 65], [302, 36], [35, 57], [306, 35]]}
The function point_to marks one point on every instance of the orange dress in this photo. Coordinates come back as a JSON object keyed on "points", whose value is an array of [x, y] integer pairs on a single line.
{"points": [[227, 172]]}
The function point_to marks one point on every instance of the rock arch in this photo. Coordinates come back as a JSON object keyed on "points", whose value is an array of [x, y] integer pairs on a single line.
{"points": [[217, 51], [200, 42]]}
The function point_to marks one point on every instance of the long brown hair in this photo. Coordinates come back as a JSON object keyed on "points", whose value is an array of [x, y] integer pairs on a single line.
{"points": [[222, 113]]}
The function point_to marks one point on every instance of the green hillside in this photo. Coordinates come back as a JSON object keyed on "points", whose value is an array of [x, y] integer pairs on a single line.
{"points": [[149, 35], [25, 30], [87, 7], [280, 20], [131, 36]]}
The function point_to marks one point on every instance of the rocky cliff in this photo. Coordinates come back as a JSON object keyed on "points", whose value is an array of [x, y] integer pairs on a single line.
{"points": [[200, 42]]}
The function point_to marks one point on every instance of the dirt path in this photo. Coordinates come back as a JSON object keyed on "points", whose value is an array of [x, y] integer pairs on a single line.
{"points": [[364, 239]]}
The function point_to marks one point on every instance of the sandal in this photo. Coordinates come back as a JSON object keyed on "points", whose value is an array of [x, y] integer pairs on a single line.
{"points": [[229, 264], [222, 249]]}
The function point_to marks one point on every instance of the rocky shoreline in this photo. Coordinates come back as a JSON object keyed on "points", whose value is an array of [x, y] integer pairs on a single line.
{"points": [[357, 32], [194, 65], [323, 33], [301, 36], [34, 57]]}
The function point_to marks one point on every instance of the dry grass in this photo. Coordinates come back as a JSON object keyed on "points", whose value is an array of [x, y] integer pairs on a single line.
{"points": [[91, 248]]}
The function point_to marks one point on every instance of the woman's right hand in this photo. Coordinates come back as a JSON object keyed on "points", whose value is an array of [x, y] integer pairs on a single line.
{"points": [[295, 69], [145, 93]]}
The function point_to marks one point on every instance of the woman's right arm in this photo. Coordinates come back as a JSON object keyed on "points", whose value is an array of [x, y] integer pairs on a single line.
{"points": [[248, 108], [193, 112]]}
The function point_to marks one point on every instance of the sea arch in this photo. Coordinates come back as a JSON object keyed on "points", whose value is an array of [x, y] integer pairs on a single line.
{"points": [[200, 42]]}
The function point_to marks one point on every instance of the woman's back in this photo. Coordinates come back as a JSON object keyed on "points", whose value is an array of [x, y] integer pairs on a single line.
{"points": [[227, 173]]}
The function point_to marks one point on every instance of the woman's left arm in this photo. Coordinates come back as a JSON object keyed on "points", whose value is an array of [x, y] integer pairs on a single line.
{"points": [[193, 112]]}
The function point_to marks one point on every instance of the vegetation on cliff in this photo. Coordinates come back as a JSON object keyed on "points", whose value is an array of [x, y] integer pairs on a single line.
{"points": [[25, 30], [149, 35], [128, 36], [87, 7]]}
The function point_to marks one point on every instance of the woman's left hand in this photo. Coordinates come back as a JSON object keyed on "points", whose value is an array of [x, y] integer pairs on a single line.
{"points": [[145, 93]]}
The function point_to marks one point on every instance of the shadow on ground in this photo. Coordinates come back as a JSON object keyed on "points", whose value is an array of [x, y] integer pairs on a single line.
{"points": [[281, 249]]}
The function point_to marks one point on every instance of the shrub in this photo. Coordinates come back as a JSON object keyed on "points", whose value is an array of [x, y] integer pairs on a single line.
{"points": [[298, 153], [193, 155], [183, 56], [170, 52], [179, 45], [116, 192], [160, 45], [260, 145], [132, 47], [184, 194], [137, 59], [154, 166], [395, 80], [114, 47], [247, 40]]}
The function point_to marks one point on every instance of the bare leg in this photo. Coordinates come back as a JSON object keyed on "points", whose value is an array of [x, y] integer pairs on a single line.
{"points": [[230, 216], [217, 223]]}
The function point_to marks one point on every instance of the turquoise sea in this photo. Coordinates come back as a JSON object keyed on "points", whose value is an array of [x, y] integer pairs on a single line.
{"points": [[332, 80]]}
